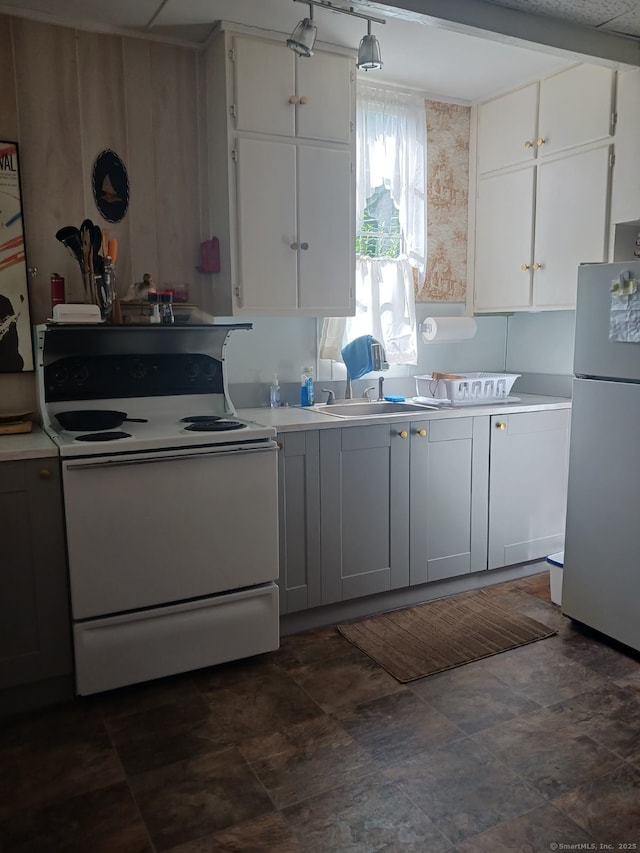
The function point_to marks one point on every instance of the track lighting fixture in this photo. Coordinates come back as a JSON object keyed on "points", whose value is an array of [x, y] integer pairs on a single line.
{"points": [[303, 38], [369, 52]]}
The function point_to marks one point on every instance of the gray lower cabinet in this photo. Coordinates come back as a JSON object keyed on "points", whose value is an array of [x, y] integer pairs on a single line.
{"points": [[368, 509], [364, 507], [527, 485], [449, 498], [35, 631], [299, 521]]}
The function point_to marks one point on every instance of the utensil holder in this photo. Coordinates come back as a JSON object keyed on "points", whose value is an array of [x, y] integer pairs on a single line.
{"points": [[104, 294], [99, 290], [88, 285]]}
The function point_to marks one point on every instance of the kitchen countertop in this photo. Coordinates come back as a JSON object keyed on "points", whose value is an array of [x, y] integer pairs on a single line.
{"points": [[37, 445], [295, 418], [26, 445]]}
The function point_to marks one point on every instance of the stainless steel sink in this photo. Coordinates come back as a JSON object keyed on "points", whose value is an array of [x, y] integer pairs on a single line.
{"points": [[364, 409]]}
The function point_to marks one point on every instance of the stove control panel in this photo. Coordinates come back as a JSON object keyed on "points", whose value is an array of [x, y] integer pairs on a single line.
{"points": [[142, 375]]}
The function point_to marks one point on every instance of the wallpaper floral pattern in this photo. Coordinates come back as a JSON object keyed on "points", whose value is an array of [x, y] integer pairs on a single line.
{"points": [[448, 127]]}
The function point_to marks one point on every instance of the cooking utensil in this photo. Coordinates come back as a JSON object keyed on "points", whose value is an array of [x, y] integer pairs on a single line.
{"points": [[70, 237], [102, 274], [96, 246], [89, 420], [113, 251], [86, 236]]}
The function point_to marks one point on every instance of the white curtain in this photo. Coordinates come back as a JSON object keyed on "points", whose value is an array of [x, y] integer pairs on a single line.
{"points": [[391, 152], [391, 148]]}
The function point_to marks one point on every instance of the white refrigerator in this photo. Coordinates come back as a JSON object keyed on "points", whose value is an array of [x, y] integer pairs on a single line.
{"points": [[601, 577]]}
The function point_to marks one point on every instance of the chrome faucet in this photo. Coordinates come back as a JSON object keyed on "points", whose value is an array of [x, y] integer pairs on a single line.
{"points": [[380, 391], [365, 393], [378, 362], [331, 398]]}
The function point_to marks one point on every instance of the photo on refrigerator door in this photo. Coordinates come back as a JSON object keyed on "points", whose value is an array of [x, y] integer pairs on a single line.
{"points": [[16, 353]]}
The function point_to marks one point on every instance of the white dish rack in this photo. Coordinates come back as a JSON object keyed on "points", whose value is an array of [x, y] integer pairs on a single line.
{"points": [[466, 387]]}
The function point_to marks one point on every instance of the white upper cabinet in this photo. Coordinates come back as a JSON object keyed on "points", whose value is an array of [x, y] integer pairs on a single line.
{"points": [[292, 253], [277, 92], [264, 87], [326, 257], [504, 233], [571, 223], [281, 135], [543, 189], [325, 108], [266, 204], [576, 108], [508, 129]]}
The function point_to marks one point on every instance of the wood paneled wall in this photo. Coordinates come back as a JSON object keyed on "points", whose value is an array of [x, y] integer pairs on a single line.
{"points": [[66, 96]]}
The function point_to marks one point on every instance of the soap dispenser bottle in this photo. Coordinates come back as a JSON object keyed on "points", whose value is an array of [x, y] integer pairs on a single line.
{"points": [[307, 395], [274, 394]]}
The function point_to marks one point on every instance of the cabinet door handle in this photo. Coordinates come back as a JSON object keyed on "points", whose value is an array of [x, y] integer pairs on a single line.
{"points": [[528, 144], [404, 434], [422, 433], [537, 266], [525, 267], [44, 474], [304, 246], [293, 99], [501, 426], [304, 100], [294, 246], [540, 141]]}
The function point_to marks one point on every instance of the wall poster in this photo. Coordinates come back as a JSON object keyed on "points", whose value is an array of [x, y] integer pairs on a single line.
{"points": [[16, 350]]}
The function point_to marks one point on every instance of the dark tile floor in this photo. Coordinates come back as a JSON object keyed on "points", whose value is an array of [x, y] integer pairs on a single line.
{"points": [[316, 748]]}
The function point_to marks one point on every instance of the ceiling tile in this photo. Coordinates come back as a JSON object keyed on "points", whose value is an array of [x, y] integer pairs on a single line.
{"points": [[589, 12], [627, 24]]}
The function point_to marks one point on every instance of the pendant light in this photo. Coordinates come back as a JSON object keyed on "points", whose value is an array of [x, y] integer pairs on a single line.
{"points": [[303, 37], [369, 58]]}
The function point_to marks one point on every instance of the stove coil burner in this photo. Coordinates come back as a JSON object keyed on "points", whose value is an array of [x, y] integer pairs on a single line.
{"points": [[103, 436], [214, 425], [198, 419]]}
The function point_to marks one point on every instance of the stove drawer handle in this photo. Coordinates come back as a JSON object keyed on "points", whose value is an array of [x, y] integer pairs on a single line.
{"points": [[119, 463]]}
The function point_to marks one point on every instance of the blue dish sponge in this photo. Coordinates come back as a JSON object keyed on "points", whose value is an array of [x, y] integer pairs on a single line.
{"points": [[395, 399], [357, 356]]}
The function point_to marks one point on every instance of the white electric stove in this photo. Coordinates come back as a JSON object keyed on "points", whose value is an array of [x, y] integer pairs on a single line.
{"points": [[170, 501], [169, 422]]}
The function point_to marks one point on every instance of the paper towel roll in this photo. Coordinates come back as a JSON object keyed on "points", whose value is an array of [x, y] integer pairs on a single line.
{"points": [[437, 329]]}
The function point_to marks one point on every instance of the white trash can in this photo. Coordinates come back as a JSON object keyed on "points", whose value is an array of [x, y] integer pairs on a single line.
{"points": [[556, 565]]}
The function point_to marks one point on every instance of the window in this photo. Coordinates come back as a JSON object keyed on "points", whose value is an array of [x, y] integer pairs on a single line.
{"points": [[391, 225], [380, 235]]}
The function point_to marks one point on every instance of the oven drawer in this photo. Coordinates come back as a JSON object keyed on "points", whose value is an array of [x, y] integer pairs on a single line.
{"points": [[147, 530], [163, 641]]}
